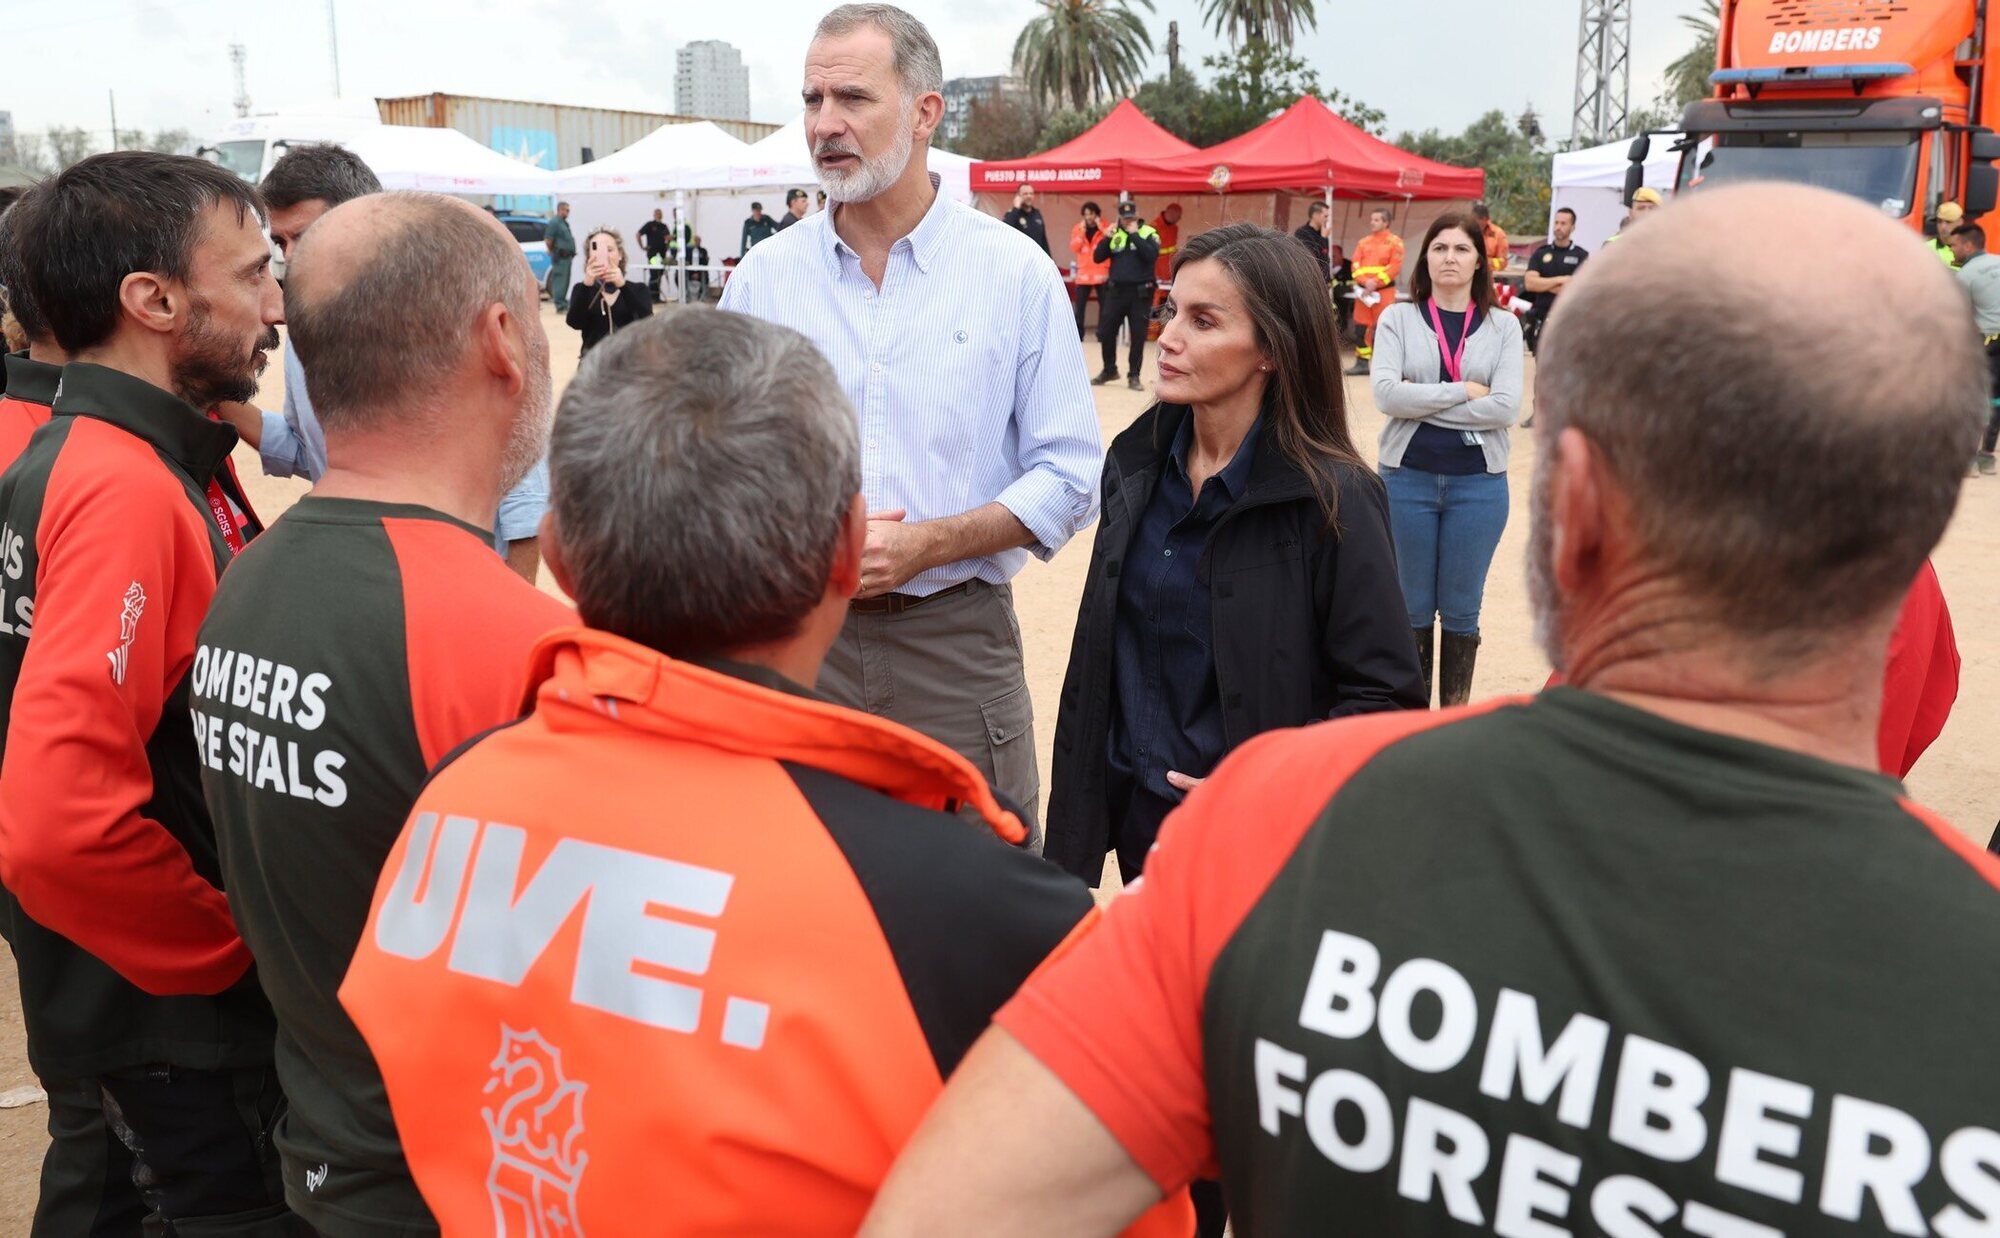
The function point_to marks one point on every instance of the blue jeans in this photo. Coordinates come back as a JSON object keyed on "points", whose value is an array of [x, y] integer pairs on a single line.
{"points": [[1446, 529]]}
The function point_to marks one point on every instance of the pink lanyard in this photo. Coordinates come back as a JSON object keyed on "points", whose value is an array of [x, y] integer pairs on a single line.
{"points": [[1454, 363]]}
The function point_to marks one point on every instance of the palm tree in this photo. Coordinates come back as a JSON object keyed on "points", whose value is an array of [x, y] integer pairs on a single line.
{"points": [[1687, 78], [1263, 21], [1080, 51]]}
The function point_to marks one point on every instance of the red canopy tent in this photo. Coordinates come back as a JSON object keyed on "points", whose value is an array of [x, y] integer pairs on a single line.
{"points": [[1309, 146], [1094, 160]]}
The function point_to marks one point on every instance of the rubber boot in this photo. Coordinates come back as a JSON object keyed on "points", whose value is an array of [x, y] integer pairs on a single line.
{"points": [[1455, 661], [1426, 648]]}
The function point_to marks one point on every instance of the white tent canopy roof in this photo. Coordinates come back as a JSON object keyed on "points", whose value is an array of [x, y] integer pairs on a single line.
{"points": [[442, 161], [1603, 167], [683, 156], [690, 158]]}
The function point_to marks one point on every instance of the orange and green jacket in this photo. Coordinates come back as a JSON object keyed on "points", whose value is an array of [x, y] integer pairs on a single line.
{"points": [[687, 950], [1497, 254]]}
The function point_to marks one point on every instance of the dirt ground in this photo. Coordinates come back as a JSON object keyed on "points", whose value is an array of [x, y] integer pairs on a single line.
{"points": [[1953, 778]]}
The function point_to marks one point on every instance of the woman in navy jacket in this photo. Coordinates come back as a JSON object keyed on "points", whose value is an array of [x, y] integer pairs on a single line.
{"points": [[1242, 576]]}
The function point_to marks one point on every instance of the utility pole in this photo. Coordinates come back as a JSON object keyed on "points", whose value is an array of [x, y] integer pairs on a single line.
{"points": [[114, 118], [238, 57], [333, 46], [1603, 71]]}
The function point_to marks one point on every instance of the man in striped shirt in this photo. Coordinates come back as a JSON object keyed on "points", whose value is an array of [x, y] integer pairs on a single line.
{"points": [[950, 334]]}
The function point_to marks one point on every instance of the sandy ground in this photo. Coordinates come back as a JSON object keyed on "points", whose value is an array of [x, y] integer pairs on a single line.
{"points": [[1954, 778]]}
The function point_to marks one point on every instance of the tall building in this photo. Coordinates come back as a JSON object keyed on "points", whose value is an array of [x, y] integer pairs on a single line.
{"points": [[6, 135], [710, 80], [960, 93]]}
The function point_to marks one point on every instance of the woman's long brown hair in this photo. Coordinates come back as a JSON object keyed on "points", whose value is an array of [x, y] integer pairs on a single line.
{"points": [[1305, 400], [1482, 270]]}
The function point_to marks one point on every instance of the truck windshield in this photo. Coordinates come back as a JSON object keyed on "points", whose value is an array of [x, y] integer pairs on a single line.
{"points": [[1878, 168], [246, 159]]}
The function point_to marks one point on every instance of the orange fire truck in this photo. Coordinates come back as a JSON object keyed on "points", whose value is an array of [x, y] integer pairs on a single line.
{"points": [[1886, 100]]}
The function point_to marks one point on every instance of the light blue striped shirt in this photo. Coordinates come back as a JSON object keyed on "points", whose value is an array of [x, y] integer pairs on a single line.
{"points": [[963, 369]]}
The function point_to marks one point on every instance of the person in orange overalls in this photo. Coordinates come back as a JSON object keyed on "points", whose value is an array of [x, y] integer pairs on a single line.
{"points": [[1168, 225], [1378, 263], [1496, 237], [689, 949], [1086, 272]]}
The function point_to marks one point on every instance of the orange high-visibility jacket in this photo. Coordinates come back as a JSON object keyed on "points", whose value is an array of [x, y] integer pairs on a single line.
{"points": [[1380, 256], [687, 951], [1496, 246], [1088, 269], [1170, 243]]}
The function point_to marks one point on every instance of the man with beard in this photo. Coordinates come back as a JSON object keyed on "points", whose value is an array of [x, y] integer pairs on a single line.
{"points": [[388, 634], [153, 274], [979, 440], [1663, 945], [305, 184]]}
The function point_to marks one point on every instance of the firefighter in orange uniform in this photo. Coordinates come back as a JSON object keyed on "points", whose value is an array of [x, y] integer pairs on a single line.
{"points": [[1168, 225], [690, 949], [1497, 254], [1378, 263]]}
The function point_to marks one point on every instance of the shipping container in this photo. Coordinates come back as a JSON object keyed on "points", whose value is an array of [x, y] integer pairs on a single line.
{"points": [[548, 135]]}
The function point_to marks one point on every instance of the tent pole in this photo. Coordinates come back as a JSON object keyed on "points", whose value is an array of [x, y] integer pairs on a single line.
{"points": [[680, 245]]}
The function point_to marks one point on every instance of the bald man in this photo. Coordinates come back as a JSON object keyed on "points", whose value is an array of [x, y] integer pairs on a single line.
{"points": [[369, 632], [1664, 954]]}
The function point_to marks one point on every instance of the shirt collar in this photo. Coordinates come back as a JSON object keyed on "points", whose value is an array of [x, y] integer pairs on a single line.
{"points": [[186, 436], [924, 240], [1235, 476], [33, 382]]}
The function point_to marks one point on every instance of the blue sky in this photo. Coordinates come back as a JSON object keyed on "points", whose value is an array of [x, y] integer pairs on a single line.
{"points": [[1425, 62]]}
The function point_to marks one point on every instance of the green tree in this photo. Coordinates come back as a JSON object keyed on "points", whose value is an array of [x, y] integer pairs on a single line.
{"points": [[1260, 21], [69, 145], [1687, 77], [1516, 162], [1080, 51], [165, 141], [1257, 80], [1001, 126], [1066, 123]]}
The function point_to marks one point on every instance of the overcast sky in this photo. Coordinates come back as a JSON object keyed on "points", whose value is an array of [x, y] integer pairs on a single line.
{"points": [[1427, 63]]}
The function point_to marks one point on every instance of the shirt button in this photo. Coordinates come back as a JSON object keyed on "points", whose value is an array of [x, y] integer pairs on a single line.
{"points": [[1170, 552], [875, 366]]}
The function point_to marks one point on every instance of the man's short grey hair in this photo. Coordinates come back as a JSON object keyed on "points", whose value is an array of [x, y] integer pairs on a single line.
{"points": [[394, 331], [917, 61], [701, 468]]}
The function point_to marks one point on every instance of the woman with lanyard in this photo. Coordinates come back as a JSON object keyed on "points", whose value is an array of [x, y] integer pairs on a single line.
{"points": [[1447, 375], [599, 306]]}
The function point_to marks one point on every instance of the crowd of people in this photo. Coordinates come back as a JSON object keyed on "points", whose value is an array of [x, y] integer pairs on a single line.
{"points": [[358, 887]]}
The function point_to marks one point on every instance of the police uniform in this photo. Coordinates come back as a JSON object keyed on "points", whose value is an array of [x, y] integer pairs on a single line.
{"points": [[1550, 261]]}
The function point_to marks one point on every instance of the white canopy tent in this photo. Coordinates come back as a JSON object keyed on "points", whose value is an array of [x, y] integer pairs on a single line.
{"points": [[442, 161], [684, 156], [1592, 183], [681, 169]]}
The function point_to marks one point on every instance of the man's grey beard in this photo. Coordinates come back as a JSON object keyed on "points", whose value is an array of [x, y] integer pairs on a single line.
{"points": [[528, 441], [874, 176], [1544, 602]]}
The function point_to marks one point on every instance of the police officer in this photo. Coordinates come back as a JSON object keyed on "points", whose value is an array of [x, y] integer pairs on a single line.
{"points": [[1132, 248], [1027, 217], [1550, 269]]}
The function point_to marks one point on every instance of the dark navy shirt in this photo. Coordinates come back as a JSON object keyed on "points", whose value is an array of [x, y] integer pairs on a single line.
{"points": [[1168, 714], [1436, 449]]}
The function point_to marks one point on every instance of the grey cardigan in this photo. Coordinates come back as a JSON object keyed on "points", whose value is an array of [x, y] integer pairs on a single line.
{"points": [[1405, 373]]}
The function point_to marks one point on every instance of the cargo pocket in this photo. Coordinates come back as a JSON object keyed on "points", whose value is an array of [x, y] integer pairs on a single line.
{"points": [[1010, 745]]}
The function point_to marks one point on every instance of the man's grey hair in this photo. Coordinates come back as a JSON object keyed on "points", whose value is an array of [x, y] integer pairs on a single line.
{"points": [[332, 174], [917, 61], [394, 330], [701, 469]]}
